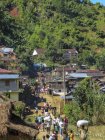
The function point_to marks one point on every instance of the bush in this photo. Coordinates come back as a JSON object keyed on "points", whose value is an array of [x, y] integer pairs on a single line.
{"points": [[71, 110], [99, 110], [88, 104], [18, 108]]}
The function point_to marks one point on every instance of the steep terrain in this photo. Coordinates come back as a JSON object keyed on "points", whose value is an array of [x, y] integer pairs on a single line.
{"points": [[53, 25]]}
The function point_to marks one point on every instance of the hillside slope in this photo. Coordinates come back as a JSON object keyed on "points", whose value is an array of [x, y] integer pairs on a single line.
{"points": [[53, 25]]}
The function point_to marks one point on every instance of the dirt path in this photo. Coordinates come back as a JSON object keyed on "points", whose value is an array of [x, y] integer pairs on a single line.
{"points": [[55, 102], [95, 132]]}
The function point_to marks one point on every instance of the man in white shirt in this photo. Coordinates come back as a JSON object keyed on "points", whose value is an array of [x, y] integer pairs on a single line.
{"points": [[58, 119], [54, 122], [61, 127]]}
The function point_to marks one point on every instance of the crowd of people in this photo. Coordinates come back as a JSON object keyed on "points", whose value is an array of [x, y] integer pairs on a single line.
{"points": [[47, 119], [55, 126], [52, 125]]}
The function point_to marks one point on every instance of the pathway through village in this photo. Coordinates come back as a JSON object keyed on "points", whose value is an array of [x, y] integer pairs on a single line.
{"points": [[95, 132], [55, 102]]}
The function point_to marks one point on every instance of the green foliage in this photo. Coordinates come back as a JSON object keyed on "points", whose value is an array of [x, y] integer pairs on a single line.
{"points": [[7, 94], [98, 109], [89, 104], [71, 110], [18, 108], [100, 58], [87, 57], [54, 25], [83, 91], [2, 65]]}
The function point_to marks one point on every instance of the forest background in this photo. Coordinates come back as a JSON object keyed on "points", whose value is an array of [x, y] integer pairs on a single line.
{"points": [[54, 25]]}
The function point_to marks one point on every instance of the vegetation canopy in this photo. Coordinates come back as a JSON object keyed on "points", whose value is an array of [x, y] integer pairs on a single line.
{"points": [[88, 104], [53, 25]]}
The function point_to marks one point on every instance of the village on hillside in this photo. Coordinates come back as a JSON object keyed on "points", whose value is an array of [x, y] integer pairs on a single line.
{"points": [[32, 105], [52, 70]]}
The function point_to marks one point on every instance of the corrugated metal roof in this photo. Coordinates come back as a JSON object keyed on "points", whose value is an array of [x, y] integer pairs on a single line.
{"points": [[88, 71], [9, 76], [65, 69], [71, 51], [5, 71], [67, 97], [78, 75], [6, 50]]}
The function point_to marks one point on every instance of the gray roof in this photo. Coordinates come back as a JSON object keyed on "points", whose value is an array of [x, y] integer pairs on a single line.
{"points": [[78, 75], [9, 76], [6, 50], [67, 97]]}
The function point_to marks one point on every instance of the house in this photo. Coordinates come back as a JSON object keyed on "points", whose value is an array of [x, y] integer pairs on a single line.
{"points": [[70, 55], [78, 75], [9, 83], [8, 57], [38, 52], [59, 71], [92, 73]]}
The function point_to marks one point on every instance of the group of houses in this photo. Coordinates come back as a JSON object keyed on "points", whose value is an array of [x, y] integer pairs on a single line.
{"points": [[72, 75], [70, 55], [9, 79]]}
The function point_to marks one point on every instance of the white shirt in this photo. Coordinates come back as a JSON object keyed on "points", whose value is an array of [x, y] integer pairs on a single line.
{"points": [[61, 124], [58, 120], [48, 125], [54, 121], [51, 137]]}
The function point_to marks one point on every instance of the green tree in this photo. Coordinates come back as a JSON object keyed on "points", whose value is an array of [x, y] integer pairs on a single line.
{"points": [[87, 57], [71, 111], [88, 104], [53, 25], [100, 60]]}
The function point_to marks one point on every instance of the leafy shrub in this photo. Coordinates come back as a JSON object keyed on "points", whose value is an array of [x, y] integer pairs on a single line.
{"points": [[88, 104], [18, 108], [71, 110]]}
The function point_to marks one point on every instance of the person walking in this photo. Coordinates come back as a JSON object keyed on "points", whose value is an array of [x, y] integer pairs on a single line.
{"points": [[83, 132], [66, 123], [48, 127], [71, 135], [64, 134], [61, 127], [43, 124], [54, 135], [56, 128], [54, 122]]}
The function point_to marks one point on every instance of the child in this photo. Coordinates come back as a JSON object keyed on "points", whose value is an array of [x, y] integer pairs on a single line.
{"points": [[71, 135]]}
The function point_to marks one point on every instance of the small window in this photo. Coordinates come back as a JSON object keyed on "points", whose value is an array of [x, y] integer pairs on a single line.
{"points": [[7, 83]]}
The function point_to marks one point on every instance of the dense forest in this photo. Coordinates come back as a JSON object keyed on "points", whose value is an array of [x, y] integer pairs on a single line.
{"points": [[54, 25]]}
